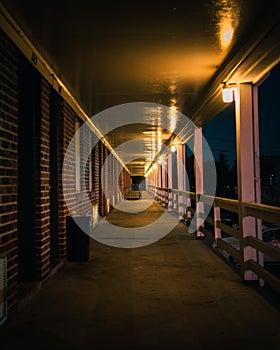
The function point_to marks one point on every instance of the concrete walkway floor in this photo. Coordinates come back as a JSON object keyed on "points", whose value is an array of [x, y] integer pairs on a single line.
{"points": [[174, 294]]}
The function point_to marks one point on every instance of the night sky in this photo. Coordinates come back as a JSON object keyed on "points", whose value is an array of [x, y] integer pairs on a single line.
{"points": [[220, 132], [269, 114]]}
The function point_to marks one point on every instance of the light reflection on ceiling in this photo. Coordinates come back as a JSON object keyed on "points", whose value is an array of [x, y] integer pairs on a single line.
{"points": [[227, 20], [156, 52]]}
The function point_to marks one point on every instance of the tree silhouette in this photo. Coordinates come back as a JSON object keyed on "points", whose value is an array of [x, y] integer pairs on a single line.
{"points": [[226, 177]]}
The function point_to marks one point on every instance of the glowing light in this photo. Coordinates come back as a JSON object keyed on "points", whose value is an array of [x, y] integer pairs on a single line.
{"points": [[226, 36], [173, 102], [172, 118], [95, 214], [173, 148], [228, 15], [229, 94], [172, 87]]}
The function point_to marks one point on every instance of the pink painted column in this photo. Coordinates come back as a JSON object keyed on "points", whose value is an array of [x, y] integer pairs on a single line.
{"points": [[159, 191], [217, 217], [158, 180], [164, 181], [154, 172], [187, 199], [181, 163], [257, 168], [169, 178], [245, 144], [198, 169]]}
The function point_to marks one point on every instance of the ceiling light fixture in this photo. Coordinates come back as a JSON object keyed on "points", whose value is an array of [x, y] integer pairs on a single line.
{"points": [[229, 93]]}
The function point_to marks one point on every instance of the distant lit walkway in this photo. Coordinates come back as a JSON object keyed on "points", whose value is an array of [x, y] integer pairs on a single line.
{"points": [[172, 294], [135, 223]]}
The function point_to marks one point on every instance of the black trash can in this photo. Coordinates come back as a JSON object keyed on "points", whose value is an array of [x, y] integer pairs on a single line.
{"points": [[77, 231]]}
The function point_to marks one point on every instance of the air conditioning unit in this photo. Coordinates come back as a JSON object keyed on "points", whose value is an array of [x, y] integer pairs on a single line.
{"points": [[3, 289]]}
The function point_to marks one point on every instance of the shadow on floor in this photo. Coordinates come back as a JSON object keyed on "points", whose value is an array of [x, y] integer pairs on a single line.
{"points": [[172, 294]]}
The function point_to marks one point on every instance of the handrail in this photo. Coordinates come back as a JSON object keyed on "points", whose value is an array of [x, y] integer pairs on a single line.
{"points": [[266, 248], [231, 250], [261, 211], [228, 204], [226, 228], [224, 203]]}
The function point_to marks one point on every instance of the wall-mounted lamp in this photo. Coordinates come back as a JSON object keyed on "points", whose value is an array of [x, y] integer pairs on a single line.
{"points": [[173, 148], [229, 93]]}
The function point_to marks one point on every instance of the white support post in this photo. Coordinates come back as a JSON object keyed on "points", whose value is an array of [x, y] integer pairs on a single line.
{"points": [[217, 218], [159, 175], [188, 199], [164, 173], [189, 204], [245, 171], [198, 168], [155, 172], [164, 179], [158, 172], [257, 171], [181, 180], [169, 178], [154, 182], [159, 181]]}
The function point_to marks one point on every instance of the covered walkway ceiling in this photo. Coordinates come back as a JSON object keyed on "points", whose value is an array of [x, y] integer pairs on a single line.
{"points": [[174, 53]]}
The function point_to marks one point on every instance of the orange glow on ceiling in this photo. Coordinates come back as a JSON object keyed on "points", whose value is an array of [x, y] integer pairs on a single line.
{"points": [[227, 15]]}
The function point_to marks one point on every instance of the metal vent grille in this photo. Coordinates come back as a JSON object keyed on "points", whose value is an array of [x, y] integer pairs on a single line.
{"points": [[3, 288]]}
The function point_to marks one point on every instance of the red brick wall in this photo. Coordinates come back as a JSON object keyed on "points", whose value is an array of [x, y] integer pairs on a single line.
{"points": [[124, 181], [80, 201], [42, 189], [102, 199], [95, 174], [22, 88], [66, 130], [8, 160]]}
